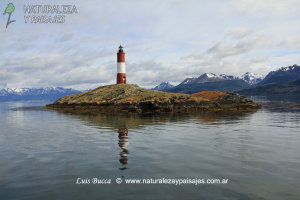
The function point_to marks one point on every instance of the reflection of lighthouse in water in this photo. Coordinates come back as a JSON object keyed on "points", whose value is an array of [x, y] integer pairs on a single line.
{"points": [[123, 142]]}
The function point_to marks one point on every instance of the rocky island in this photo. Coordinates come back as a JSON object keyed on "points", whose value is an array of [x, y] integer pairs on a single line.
{"points": [[131, 98]]}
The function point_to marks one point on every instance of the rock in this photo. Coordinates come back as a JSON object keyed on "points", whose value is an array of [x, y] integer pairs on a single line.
{"points": [[131, 98]]}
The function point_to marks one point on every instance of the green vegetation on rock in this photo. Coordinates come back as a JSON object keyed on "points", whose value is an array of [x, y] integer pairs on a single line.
{"points": [[118, 94], [132, 98]]}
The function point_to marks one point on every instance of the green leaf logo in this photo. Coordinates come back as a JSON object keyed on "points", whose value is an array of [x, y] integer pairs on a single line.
{"points": [[9, 10]]}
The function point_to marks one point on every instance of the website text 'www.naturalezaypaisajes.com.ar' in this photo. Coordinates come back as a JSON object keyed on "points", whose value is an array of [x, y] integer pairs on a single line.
{"points": [[152, 181]]}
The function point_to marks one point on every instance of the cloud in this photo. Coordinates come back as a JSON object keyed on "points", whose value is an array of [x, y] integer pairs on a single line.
{"points": [[240, 32], [50, 69], [239, 55], [261, 8], [259, 60], [222, 50], [292, 43], [232, 48], [3, 85], [164, 41]]}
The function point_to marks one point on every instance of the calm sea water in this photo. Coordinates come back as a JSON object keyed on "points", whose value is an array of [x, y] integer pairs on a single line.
{"points": [[43, 153]]}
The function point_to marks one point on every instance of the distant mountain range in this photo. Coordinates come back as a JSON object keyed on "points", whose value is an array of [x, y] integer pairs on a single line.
{"points": [[210, 81], [284, 81], [220, 85], [283, 74], [252, 78], [163, 86], [35, 93], [290, 88], [208, 77], [249, 83]]}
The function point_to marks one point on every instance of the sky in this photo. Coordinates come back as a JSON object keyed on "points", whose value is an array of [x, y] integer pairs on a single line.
{"points": [[164, 40]]}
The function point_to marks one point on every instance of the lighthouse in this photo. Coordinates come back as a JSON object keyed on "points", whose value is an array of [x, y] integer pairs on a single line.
{"points": [[121, 74]]}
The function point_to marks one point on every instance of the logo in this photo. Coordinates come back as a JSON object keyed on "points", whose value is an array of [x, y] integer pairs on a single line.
{"points": [[9, 10]]}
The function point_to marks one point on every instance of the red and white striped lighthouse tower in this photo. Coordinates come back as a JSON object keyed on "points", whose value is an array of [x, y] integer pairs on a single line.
{"points": [[121, 74]]}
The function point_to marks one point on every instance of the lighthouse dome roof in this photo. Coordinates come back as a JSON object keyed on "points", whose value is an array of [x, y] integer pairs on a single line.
{"points": [[120, 48]]}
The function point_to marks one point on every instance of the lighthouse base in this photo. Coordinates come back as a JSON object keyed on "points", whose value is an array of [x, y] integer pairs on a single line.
{"points": [[121, 78]]}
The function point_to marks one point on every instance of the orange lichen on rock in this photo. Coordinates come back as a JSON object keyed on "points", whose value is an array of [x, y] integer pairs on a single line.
{"points": [[209, 95], [132, 98], [193, 98]]}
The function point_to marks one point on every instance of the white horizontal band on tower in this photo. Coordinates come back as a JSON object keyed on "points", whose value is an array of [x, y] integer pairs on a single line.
{"points": [[121, 67]]}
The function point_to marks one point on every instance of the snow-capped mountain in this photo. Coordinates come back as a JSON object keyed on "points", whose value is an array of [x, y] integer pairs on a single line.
{"points": [[35, 93], [188, 80], [283, 74], [210, 81], [289, 68], [208, 77], [252, 78], [163, 86]]}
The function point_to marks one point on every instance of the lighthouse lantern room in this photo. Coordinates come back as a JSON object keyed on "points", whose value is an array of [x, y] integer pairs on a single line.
{"points": [[121, 74]]}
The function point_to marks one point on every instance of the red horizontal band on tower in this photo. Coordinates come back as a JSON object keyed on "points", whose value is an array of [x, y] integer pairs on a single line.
{"points": [[121, 57], [121, 78]]}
